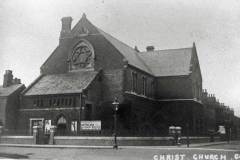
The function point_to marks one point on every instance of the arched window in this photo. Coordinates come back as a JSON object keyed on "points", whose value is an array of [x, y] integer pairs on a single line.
{"points": [[61, 120], [82, 56]]}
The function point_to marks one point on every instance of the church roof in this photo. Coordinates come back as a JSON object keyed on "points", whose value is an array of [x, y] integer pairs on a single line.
{"points": [[71, 82], [128, 52], [7, 91], [171, 62]]}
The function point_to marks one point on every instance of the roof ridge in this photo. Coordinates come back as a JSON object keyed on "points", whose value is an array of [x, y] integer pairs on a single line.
{"points": [[135, 52], [114, 38], [166, 49], [144, 63]]}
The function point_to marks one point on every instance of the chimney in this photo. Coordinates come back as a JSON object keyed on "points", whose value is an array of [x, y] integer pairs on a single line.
{"points": [[19, 81], [8, 78], [150, 48], [66, 27], [16, 81], [136, 49]]}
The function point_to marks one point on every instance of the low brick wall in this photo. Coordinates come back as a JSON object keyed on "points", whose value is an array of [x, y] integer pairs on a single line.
{"points": [[125, 141], [16, 139], [106, 141], [199, 139]]}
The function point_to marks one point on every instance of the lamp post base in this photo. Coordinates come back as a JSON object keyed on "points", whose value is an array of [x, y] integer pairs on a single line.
{"points": [[115, 147]]}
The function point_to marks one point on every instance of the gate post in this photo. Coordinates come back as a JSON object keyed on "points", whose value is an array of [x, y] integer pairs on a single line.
{"points": [[1, 130], [52, 133], [35, 135]]}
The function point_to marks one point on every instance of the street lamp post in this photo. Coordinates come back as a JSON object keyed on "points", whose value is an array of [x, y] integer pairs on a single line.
{"points": [[228, 130], [81, 110], [115, 104], [187, 126]]}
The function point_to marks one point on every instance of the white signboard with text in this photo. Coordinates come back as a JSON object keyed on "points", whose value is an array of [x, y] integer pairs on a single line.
{"points": [[90, 125]]}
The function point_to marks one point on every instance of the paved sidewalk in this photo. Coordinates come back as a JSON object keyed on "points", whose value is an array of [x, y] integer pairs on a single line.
{"points": [[109, 147]]}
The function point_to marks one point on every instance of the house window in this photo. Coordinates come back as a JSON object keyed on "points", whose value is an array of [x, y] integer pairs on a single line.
{"points": [[144, 85], [134, 81], [74, 126]]}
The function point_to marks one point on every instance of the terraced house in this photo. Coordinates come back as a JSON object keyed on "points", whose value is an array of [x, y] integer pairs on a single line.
{"points": [[90, 68]]}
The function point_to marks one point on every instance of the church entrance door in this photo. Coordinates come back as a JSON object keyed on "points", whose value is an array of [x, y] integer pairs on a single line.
{"points": [[62, 126]]}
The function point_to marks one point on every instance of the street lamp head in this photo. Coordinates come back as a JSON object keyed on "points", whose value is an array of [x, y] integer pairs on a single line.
{"points": [[115, 103]]}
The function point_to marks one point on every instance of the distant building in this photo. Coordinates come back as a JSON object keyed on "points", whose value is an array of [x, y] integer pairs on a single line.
{"points": [[217, 114], [10, 100]]}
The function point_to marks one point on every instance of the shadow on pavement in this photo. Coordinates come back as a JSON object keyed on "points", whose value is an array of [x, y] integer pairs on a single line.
{"points": [[15, 156]]}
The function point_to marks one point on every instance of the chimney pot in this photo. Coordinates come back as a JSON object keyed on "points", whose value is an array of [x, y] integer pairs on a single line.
{"points": [[136, 49], [16, 81], [84, 15], [150, 48], [19, 81]]}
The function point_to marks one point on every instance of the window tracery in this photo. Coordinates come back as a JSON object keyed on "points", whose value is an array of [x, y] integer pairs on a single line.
{"points": [[82, 56]]}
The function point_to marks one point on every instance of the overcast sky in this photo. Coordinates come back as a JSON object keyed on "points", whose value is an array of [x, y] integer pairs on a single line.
{"points": [[29, 32]]}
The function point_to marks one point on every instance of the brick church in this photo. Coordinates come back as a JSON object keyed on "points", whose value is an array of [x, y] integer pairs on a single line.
{"points": [[89, 69]]}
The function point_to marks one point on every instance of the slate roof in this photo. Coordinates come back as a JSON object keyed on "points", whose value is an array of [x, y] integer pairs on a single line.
{"points": [[71, 82], [7, 91], [172, 62], [128, 52]]}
